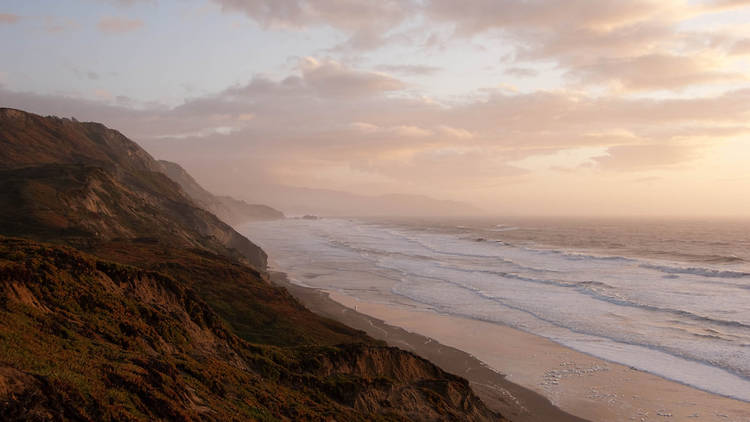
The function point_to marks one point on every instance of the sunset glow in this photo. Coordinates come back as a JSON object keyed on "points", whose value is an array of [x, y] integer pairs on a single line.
{"points": [[600, 107]]}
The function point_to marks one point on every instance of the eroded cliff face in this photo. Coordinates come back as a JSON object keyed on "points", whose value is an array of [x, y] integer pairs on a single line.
{"points": [[86, 339], [399, 379], [63, 180]]}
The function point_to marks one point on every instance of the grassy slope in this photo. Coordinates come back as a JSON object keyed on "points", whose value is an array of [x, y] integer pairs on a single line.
{"points": [[256, 310], [83, 338]]}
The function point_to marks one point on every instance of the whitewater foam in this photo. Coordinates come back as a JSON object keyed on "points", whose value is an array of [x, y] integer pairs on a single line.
{"points": [[684, 322]]}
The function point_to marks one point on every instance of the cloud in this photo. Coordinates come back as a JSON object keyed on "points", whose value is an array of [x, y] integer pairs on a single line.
{"points": [[365, 22], [444, 168], [654, 71], [521, 72], [631, 89], [604, 40], [648, 156], [324, 78], [303, 107], [115, 25], [401, 131], [9, 18], [724, 5], [472, 17], [410, 69], [331, 78], [59, 24], [741, 47], [127, 3], [85, 74], [327, 119], [454, 132], [344, 14], [630, 44]]}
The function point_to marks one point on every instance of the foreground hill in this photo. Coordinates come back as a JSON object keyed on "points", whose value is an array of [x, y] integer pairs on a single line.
{"points": [[148, 307], [87, 339]]}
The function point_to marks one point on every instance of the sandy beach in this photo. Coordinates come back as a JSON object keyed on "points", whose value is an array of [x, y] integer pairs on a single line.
{"points": [[541, 380], [510, 399]]}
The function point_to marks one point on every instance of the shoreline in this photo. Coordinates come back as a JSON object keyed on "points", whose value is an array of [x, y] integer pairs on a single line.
{"points": [[522, 375], [513, 401]]}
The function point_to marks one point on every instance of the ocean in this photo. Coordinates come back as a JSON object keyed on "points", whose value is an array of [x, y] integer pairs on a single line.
{"points": [[670, 297]]}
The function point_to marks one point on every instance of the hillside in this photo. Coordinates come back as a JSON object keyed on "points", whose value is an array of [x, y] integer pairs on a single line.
{"points": [[79, 183], [145, 306], [230, 210], [87, 339]]}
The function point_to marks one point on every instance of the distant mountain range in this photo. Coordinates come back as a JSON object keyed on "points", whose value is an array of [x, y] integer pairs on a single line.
{"points": [[124, 297]]}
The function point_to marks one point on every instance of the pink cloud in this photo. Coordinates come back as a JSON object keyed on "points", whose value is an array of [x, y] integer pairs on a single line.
{"points": [[654, 71], [327, 116], [741, 47], [332, 78], [606, 40], [647, 156], [9, 18]]}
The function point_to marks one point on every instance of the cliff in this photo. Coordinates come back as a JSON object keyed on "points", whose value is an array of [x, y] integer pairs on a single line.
{"points": [[145, 306], [63, 180]]}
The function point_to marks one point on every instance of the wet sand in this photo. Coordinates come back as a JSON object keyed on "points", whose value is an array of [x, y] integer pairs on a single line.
{"points": [[540, 381]]}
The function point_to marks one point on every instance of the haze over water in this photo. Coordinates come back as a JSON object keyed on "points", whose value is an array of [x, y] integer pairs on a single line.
{"points": [[668, 297]]}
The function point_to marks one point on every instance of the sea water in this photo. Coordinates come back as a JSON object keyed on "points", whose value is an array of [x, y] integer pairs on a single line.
{"points": [[664, 296]]}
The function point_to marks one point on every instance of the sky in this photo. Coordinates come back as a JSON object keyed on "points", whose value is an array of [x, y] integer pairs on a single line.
{"points": [[520, 107]]}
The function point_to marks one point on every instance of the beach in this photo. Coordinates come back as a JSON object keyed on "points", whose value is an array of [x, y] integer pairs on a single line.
{"points": [[647, 327], [500, 394], [523, 376]]}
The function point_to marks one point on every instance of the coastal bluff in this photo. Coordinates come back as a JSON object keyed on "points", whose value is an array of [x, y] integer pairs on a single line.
{"points": [[122, 298]]}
